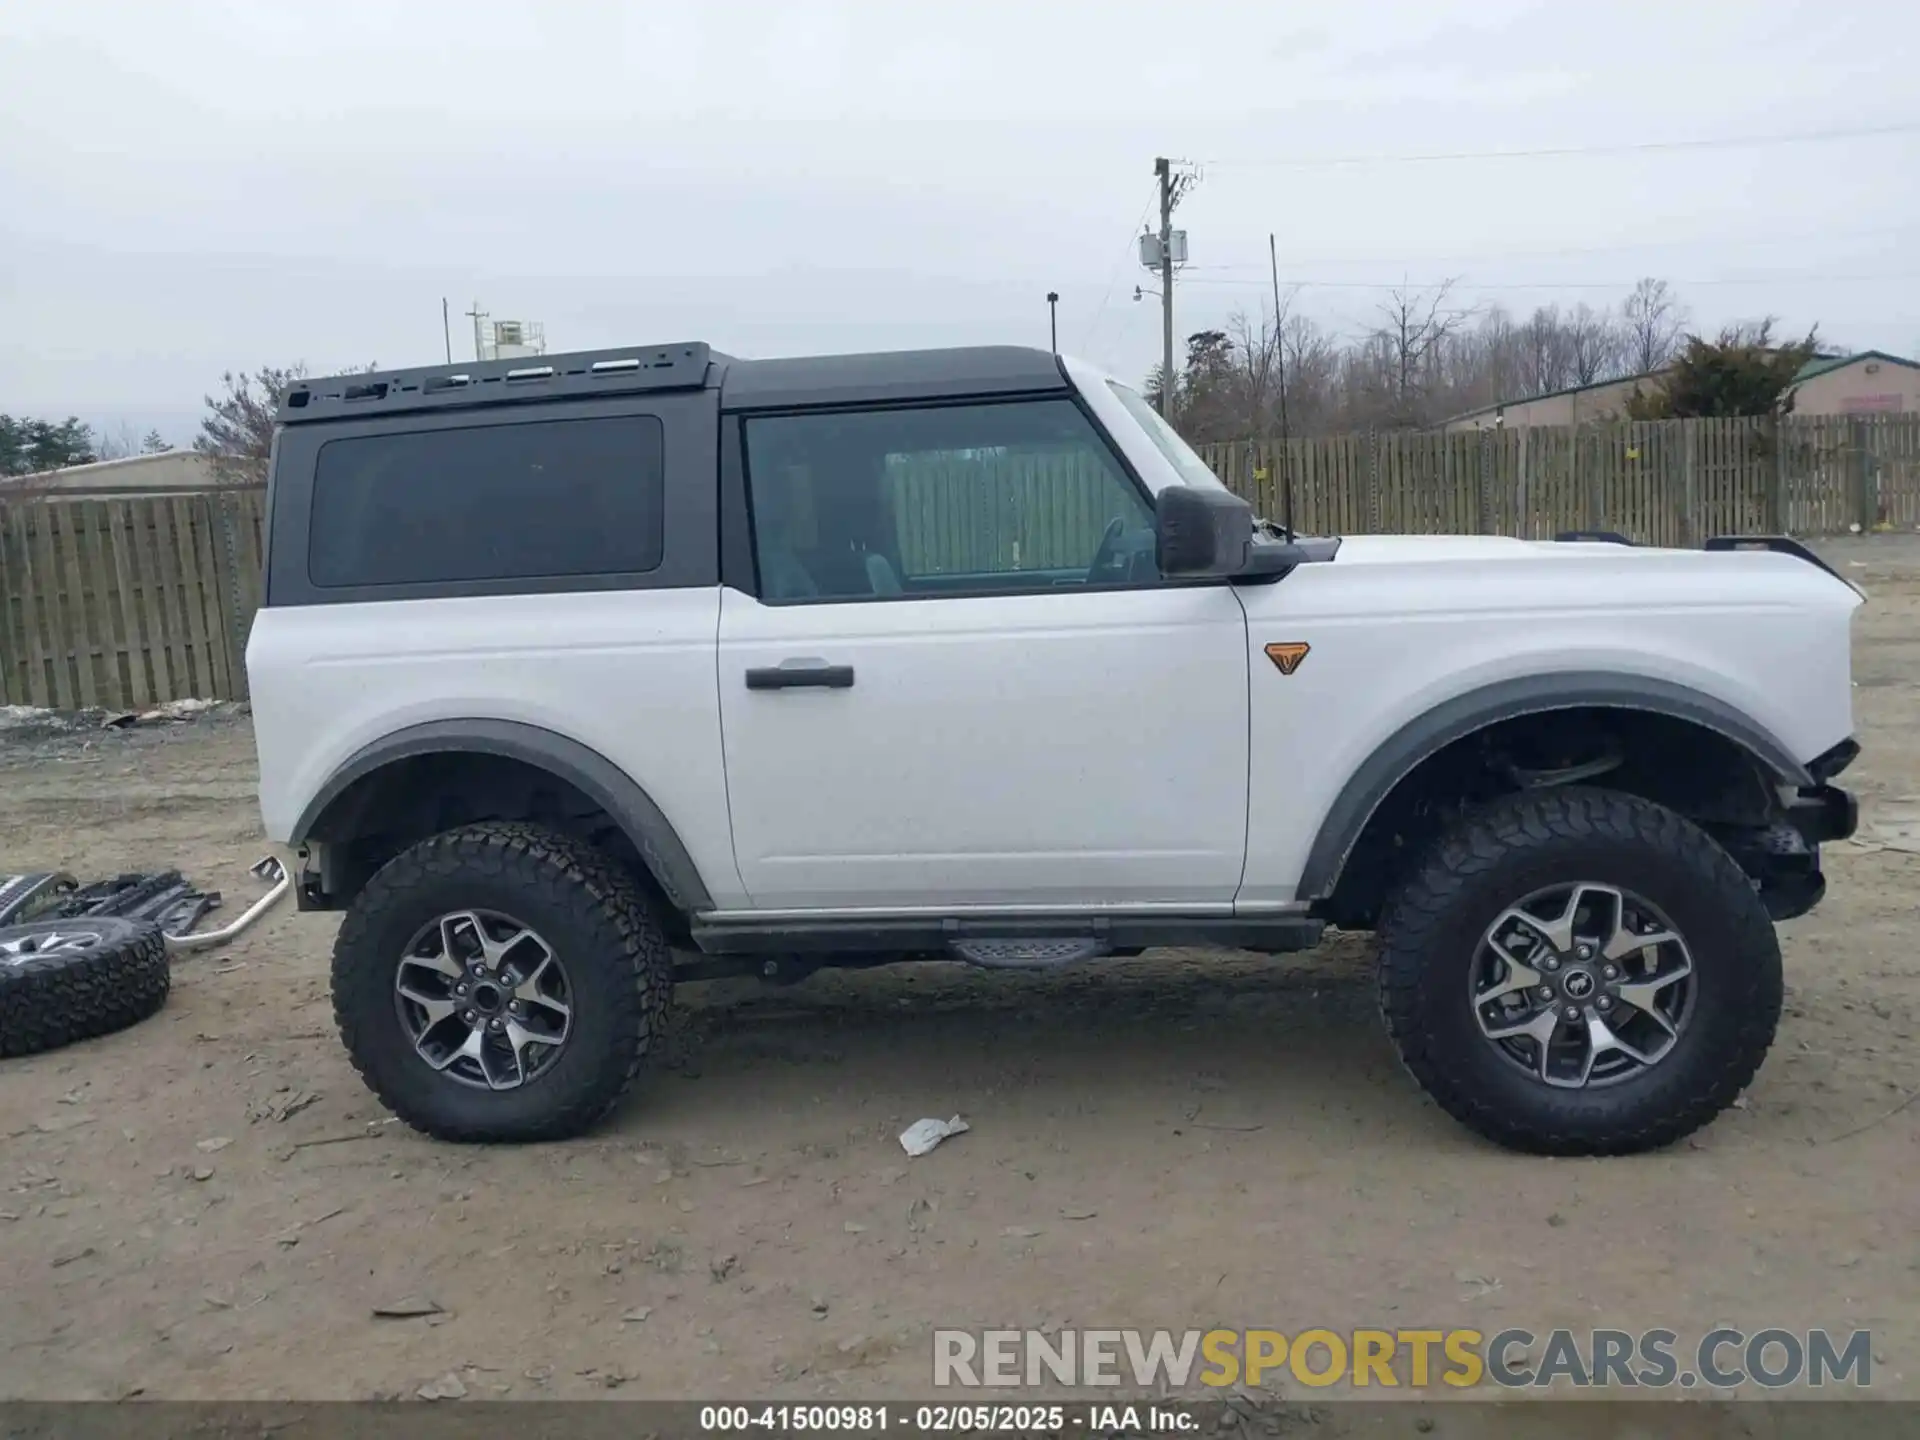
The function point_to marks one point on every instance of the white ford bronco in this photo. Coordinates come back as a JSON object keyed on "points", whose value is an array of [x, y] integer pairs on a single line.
{"points": [[580, 675]]}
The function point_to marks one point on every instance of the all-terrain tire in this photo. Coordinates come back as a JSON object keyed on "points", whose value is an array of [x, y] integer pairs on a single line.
{"points": [[1515, 847], [116, 977], [597, 920]]}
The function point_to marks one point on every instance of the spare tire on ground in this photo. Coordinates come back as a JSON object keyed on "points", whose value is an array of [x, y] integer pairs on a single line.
{"points": [[68, 980]]}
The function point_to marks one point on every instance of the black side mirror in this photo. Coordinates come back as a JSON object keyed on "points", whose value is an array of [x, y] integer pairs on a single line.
{"points": [[1200, 532]]}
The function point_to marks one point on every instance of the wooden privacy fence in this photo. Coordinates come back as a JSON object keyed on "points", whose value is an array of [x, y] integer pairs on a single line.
{"points": [[1670, 482], [123, 603], [976, 514]]}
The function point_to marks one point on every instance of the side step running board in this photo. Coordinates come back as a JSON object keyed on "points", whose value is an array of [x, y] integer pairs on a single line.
{"points": [[1027, 954], [1013, 940]]}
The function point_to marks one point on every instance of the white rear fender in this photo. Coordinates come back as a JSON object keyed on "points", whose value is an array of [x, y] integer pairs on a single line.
{"points": [[622, 688]]}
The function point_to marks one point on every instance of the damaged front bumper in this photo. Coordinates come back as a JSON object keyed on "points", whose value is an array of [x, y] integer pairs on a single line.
{"points": [[1825, 813], [1783, 858]]}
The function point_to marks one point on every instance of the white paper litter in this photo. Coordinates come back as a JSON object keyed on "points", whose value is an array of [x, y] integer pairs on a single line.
{"points": [[179, 709], [921, 1136]]}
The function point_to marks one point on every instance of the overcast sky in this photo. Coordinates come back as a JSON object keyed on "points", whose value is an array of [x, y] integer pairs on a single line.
{"points": [[188, 186]]}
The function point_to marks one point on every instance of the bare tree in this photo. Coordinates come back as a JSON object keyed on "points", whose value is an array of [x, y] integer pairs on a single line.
{"points": [[1312, 367], [1548, 357], [236, 434], [1655, 319], [1302, 362], [1416, 327], [1429, 359], [117, 443], [1595, 344], [1491, 363], [1258, 366]]}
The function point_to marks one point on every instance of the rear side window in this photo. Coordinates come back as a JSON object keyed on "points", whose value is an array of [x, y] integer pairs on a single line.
{"points": [[496, 502]]}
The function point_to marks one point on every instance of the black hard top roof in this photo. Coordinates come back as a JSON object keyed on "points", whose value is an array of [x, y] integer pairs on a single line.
{"points": [[889, 375], [693, 365]]}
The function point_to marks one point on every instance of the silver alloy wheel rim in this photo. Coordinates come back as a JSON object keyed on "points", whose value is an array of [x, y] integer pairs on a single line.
{"points": [[19, 949], [484, 999], [1582, 985]]}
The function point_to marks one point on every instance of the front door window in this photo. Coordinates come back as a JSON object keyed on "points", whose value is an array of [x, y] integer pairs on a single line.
{"points": [[991, 498]]}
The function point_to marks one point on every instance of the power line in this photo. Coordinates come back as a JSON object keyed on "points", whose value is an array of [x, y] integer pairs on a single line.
{"points": [[1559, 251], [1086, 340], [1468, 284], [1724, 142]]}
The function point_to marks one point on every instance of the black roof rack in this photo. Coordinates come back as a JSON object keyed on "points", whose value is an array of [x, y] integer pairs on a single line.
{"points": [[493, 382], [889, 376]]}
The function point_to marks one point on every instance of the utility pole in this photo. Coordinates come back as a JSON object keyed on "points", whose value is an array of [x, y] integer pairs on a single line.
{"points": [[1163, 171], [446, 328], [1053, 320], [476, 314]]}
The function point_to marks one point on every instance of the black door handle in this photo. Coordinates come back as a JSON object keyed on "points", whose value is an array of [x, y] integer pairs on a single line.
{"points": [[793, 676]]}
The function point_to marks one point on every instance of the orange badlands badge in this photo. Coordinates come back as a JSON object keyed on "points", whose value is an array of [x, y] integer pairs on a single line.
{"points": [[1288, 656]]}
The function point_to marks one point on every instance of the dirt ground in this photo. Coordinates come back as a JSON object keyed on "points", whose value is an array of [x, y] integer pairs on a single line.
{"points": [[210, 1205]]}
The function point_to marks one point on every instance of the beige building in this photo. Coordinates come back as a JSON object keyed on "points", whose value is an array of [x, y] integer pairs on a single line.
{"points": [[1602, 400], [1870, 383], [170, 470]]}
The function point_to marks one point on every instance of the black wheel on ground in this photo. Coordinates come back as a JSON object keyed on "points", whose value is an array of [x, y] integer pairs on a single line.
{"points": [[68, 980], [1580, 972], [500, 983]]}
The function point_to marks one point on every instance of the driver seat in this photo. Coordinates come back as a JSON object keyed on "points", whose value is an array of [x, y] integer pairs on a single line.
{"points": [[881, 576]]}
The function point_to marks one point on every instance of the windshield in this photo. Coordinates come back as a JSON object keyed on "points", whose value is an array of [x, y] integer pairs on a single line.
{"points": [[1193, 470]]}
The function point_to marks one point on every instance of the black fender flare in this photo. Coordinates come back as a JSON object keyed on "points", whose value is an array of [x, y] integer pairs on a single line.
{"points": [[1451, 720], [588, 771]]}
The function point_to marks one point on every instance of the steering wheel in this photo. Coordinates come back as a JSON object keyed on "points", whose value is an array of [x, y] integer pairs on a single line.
{"points": [[1108, 563]]}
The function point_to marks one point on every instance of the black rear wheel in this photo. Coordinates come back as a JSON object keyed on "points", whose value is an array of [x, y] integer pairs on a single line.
{"points": [[500, 983], [1580, 972]]}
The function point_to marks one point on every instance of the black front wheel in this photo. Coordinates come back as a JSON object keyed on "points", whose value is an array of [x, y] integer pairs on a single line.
{"points": [[1580, 972]]}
